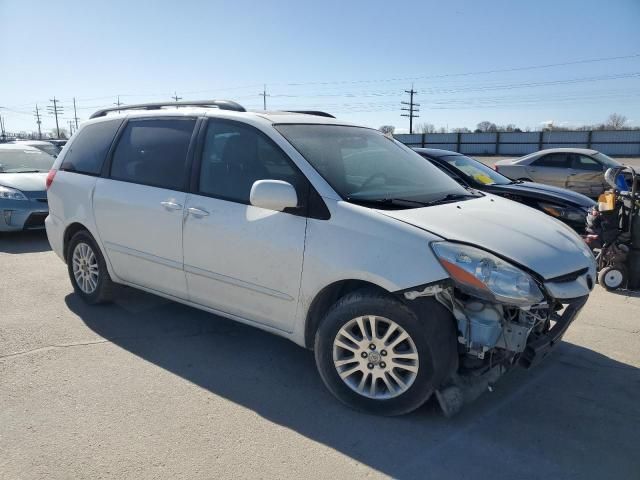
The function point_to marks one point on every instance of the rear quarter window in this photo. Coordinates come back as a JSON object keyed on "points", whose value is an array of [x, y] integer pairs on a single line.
{"points": [[87, 152]]}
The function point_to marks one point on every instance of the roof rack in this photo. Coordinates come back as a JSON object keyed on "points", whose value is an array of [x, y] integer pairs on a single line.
{"points": [[312, 112], [221, 104]]}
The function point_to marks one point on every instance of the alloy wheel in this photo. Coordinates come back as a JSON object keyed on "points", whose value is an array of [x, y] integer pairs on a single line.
{"points": [[85, 268], [375, 357]]}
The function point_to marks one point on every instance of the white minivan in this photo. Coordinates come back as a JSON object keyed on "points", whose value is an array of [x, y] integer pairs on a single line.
{"points": [[404, 283]]}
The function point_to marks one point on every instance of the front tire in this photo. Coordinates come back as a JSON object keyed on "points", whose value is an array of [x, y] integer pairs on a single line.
{"points": [[88, 270], [375, 355]]}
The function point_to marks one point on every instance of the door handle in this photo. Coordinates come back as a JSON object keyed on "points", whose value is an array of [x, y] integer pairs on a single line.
{"points": [[197, 212], [171, 205]]}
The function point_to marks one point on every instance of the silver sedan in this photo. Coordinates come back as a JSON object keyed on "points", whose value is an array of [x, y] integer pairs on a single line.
{"points": [[578, 169]]}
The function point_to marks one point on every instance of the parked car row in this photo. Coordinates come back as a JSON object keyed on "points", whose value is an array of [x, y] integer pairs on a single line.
{"points": [[404, 281]]}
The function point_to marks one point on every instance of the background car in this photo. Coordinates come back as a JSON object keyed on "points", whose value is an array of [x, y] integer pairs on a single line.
{"points": [[567, 206], [578, 169], [23, 196], [44, 145]]}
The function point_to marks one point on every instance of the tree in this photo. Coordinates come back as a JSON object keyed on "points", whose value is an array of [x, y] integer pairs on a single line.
{"points": [[616, 121], [425, 128], [63, 133], [461, 130], [486, 127], [387, 129]]}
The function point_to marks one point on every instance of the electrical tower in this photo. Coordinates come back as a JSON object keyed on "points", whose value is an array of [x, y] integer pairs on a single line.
{"points": [[264, 96], [55, 109], [411, 108], [39, 122]]}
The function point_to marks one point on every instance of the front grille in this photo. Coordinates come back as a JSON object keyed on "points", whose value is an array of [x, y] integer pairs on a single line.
{"points": [[569, 277], [35, 220]]}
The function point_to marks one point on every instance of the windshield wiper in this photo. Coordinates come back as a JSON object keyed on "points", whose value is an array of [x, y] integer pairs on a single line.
{"points": [[17, 170], [451, 197], [386, 201]]}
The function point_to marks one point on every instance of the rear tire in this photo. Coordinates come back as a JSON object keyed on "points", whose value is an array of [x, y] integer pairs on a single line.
{"points": [[88, 270], [612, 278], [366, 371]]}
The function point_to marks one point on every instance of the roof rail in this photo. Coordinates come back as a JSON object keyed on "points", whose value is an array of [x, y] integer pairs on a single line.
{"points": [[221, 104], [317, 113]]}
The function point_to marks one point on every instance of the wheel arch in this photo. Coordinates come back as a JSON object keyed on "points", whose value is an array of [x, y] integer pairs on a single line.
{"points": [[327, 297], [69, 232]]}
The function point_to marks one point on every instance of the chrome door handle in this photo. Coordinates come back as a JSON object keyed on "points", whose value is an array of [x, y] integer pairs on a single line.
{"points": [[171, 205], [197, 212]]}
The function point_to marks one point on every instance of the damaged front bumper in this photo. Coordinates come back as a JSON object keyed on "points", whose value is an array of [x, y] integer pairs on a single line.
{"points": [[494, 338], [539, 346]]}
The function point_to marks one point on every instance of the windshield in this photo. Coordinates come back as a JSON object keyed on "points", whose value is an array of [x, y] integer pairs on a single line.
{"points": [[362, 164], [476, 170], [16, 160], [606, 160]]}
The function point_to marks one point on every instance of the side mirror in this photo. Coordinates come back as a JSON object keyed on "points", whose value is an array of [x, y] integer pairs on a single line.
{"points": [[273, 195]]}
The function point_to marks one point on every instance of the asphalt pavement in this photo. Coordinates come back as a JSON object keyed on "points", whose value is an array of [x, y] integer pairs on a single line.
{"points": [[147, 388]]}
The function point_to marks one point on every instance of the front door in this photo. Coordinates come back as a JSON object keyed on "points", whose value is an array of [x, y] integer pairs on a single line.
{"points": [[139, 208], [240, 259]]}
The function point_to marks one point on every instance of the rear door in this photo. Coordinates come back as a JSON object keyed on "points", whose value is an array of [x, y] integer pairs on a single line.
{"points": [[139, 207], [240, 259], [551, 169], [586, 175]]}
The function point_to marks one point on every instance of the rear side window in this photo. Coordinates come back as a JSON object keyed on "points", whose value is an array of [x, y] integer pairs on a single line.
{"points": [[153, 152], [86, 153], [555, 160], [582, 162]]}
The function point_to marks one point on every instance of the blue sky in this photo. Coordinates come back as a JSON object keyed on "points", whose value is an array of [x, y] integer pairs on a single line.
{"points": [[351, 58]]}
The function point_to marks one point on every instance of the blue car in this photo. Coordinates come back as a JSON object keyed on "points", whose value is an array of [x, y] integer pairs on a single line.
{"points": [[23, 193]]}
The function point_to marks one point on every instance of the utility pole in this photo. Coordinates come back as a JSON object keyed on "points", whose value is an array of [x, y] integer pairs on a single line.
{"points": [[118, 103], [70, 122], [176, 97], [3, 133], [412, 108], [38, 121], [75, 113], [264, 96], [55, 109]]}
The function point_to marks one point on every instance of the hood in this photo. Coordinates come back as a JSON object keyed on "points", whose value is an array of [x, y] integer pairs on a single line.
{"points": [[544, 192], [511, 230], [26, 182]]}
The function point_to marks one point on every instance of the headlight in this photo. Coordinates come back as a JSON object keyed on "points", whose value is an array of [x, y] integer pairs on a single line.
{"points": [[564, 213], [11, 194], [484, 275]]}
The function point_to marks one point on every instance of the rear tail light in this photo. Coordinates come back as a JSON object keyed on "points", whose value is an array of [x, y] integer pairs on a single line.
{"points": [[50, 177]]}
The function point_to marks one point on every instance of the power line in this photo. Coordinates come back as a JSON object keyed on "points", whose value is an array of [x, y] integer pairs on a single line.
{"points": [[412, 108]]}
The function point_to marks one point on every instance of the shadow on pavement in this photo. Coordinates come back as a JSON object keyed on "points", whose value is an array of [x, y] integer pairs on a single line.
{"points": [[575, 415], [29, 241]]}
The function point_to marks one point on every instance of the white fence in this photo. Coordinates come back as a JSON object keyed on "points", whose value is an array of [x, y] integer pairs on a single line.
{"points": [[610, 142]]}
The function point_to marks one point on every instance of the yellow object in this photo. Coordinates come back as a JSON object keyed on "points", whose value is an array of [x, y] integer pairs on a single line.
{"points": [[482, 178], [606, 201]]}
